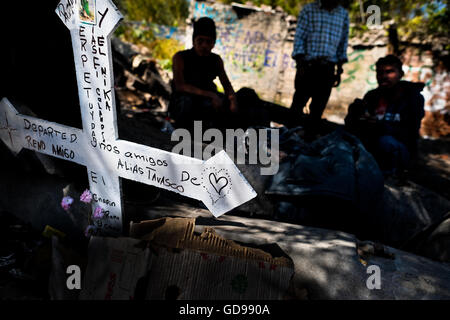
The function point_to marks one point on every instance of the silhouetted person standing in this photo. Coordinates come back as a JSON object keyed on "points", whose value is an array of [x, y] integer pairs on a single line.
{"points": [[320, 50]]}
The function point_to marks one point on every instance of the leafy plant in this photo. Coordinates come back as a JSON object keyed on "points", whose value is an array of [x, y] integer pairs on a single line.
{"points": [[411, 16], [143, 16], [165, 12], [164, 49]]}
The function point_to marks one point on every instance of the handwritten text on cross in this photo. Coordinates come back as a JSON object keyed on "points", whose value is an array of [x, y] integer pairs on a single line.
{"points": [[216, 182]]}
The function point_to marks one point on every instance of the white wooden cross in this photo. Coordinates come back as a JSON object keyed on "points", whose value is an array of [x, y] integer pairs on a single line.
{"points": [[217, 182]]}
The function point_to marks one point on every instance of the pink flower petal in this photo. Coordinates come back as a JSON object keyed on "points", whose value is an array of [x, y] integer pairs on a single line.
{"points": [[86, 196], [98, 213], [66, 202]]}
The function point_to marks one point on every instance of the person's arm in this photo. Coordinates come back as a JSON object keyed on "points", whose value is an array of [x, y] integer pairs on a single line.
{"points": [[228, 88], [370, 100], [358, 119], [337, 76], [299, 51], [415, 116], [182, 86], [357, 112], [342, 51], [420, 111]]}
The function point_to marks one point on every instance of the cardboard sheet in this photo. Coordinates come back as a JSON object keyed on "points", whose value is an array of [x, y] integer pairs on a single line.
{"points": [[166, 259]]}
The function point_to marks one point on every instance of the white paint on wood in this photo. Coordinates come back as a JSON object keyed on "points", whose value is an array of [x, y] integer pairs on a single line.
{"points": [[216, 182]]}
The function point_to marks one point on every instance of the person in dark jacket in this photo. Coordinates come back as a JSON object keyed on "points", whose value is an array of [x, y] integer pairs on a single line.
{"points": [[388, 118], [195, 95]]}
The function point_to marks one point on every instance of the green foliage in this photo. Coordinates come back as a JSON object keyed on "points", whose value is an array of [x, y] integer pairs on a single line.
{"points": [[148, 14], [438, 19], [135, 33], [356, 30], [164, 49], [411, 16], [165, 12], [143, 34]]}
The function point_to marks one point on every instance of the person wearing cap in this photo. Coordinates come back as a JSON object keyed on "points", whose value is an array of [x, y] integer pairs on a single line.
{"points": [[388, 118], [195, 96]]}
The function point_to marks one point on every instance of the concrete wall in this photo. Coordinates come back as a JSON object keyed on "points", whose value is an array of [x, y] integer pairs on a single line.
{"points": [[257, 45], [419, 66], [252, 46]]}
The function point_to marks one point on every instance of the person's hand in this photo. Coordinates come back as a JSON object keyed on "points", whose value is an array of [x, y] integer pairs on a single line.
{"points": [[300, 58], [337, 80], [300, 64], [337, 77], [233, 104], [369, 118], [216, 101], [357, 111]]}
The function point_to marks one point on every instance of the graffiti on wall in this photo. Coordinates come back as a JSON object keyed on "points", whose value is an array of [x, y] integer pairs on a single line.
{"points": [[166, 32], [217, 13], [251, 51], [160, 31], [250, 46], [355, 66]]}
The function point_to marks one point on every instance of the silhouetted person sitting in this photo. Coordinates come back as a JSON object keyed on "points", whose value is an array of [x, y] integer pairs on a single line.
{"points": [[195, 95], [388, 119]]}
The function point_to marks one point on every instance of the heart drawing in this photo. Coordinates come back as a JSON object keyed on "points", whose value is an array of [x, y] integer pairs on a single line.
{"points": [[218, 183]]}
